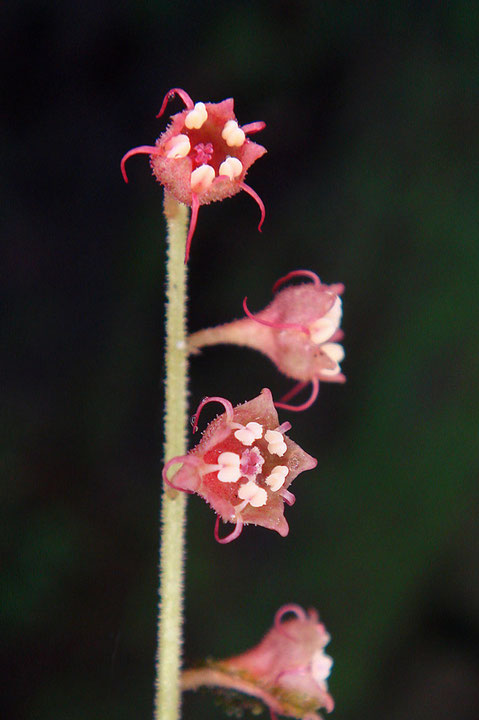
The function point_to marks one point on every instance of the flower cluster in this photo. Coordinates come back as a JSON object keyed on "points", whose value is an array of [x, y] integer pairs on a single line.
{"points": [[299, 331], [243, 466], [288, 670], [245, 462], [203, 155]]}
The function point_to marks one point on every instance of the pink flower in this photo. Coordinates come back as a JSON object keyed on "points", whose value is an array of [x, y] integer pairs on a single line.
{"points": [[288, 670], [299, 331], [243, 466], [203, 155]]}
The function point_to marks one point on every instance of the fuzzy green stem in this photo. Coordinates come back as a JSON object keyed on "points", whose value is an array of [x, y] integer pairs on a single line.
{"points": [[173, 506]]}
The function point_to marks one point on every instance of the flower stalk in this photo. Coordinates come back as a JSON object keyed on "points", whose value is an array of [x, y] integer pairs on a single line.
{"points": [[173, 507]]}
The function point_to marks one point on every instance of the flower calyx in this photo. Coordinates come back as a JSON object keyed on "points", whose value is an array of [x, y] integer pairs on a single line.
{"points": [[203, 155], [243, 466], [287, 671], [299, 331]]}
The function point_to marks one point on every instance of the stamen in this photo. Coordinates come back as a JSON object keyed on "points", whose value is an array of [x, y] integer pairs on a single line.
{"points": [[197, 117], [321, 665], [232, 134], [276, 444], [336, 311], [322, 330], [253, 127], [287, 496], [178, 147], [231, 167], [201, 178], [277, 478], [332, 371], [232, 536], [334, 350], [230, 467], [325, 327], [256, 496], [249, 433]]}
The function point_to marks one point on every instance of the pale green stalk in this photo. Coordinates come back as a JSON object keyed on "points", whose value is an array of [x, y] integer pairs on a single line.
{"points": [[173, 506]]}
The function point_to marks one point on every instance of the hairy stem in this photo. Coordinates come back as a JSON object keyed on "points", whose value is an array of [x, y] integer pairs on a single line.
{"points": [[173, 506]]}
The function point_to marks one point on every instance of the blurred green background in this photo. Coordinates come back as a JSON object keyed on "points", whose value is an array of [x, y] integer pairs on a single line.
{"points": [[371, 179]]}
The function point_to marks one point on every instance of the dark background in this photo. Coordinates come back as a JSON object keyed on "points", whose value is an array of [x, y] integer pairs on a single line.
{"points": [[371, 179]]}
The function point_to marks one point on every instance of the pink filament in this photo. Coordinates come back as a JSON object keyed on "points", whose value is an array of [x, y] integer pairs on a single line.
{"points": [[257, 198], [195, 205], [141, 150], [170, 94], [297, 273], [284, 427], [288, 497], [232, 536], [339, 378], [305, 405], [226, 404], [185, 459], [253, 127], [291, 607], [276, 325]]}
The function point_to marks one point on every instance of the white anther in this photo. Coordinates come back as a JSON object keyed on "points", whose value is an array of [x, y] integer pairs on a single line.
{"points": [[232, 167], [321, 330], [336, 312], [335, 351], [255, 495], [201, 178], [178, 147], [276, 444], [196, 117], [232, 134], [230, 471], [277, 477], [324, 328], [248, 434], [321, 665]]}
